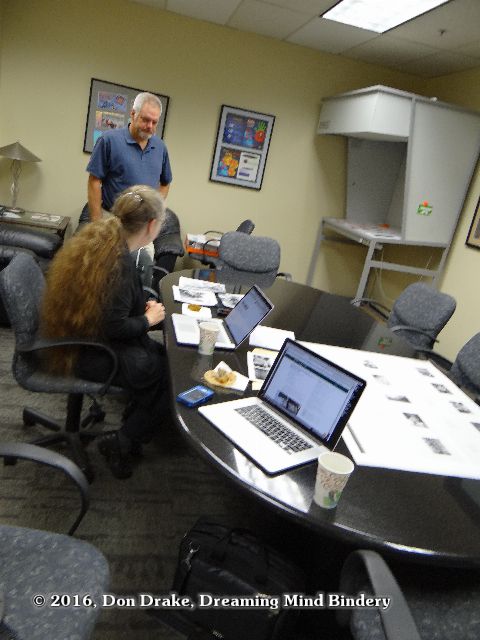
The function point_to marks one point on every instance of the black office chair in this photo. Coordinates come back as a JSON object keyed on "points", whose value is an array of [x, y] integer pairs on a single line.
{"points": [[21, 287], [418, 314], [15, 240], [430, 604]]}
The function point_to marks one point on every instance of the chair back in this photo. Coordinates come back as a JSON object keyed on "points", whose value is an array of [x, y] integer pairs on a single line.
{"points": [[21, 286], [465, 370], [247, 226], [252, 254], [422, 307]]}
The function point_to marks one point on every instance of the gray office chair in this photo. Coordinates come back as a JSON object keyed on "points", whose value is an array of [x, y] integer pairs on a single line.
{"points": [[465, 369], [245, 255], [21, 287], [436, 604], [247, 226], [39, 563], [418, 314]]}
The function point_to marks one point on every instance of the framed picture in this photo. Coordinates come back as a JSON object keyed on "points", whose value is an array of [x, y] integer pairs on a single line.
{"points": [[109, 107], [473, 237], [241, 148]]}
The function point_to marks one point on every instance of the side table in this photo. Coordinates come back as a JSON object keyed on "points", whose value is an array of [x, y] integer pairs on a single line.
{"points": [[48, 222]]}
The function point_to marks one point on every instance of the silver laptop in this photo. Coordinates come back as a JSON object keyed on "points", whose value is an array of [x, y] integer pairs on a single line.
{"points": [[237, 326], [301, 410]]}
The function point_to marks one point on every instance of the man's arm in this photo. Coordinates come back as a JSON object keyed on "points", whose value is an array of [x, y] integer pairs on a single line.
{"points": [[94, 197], [164, 188]]}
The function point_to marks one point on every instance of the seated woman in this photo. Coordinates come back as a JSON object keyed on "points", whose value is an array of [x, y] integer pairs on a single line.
{"points": [[93, 290]]}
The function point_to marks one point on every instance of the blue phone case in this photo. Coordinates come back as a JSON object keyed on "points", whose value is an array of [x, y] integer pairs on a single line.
{"points": [[195, 396]]}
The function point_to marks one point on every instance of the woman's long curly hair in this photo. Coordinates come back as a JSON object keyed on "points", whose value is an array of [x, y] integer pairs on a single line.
{"points": [[83, 275]]}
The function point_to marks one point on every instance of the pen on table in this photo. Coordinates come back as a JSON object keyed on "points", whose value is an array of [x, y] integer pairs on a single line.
{"points": [[355, 439]]}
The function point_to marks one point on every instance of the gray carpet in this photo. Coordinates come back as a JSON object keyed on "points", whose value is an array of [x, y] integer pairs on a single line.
{"points": [[137, 523]]}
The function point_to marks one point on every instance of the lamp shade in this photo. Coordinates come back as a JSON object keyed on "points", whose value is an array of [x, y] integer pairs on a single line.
{"points": [[17, 151]]}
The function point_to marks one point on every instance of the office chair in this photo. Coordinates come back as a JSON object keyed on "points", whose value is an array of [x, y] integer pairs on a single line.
{"points": [[21, 287], [418, 314], [14, 240], [243, 254], [247, 226], [465, 369], [424, 605], [40, 563], [167, 248]]}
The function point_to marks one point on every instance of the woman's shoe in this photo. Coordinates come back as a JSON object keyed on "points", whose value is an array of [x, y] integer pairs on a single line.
{"points": [[118, 460]]}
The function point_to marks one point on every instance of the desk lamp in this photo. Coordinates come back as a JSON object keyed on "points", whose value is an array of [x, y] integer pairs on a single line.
{"points": [[18, 154]]}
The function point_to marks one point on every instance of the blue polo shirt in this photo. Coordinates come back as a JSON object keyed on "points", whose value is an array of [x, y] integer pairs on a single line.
{"points": [[119, 162]]}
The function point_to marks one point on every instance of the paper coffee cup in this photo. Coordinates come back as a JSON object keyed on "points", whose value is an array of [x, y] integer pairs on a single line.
{"points": [[333, 471], [208, 337]]}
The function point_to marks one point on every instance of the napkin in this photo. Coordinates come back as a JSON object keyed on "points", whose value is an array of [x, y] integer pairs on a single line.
{"points": [[239, 383]]}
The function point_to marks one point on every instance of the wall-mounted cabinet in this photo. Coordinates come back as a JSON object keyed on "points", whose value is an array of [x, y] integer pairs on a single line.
{"points": [[410, 161]]}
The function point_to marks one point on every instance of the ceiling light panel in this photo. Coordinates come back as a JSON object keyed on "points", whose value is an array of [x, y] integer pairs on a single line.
{"points": [[379, 15]]}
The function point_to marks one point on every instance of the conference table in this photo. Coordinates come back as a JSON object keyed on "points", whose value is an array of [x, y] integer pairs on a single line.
{"points": [[422, 517]]}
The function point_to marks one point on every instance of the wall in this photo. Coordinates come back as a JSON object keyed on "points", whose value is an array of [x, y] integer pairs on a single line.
{"points": [[463, 261], [51, 50]]}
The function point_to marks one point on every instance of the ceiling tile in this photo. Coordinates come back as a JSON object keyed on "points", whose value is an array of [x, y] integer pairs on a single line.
{"points": [[218, 11], [266, 19], [450, 26], [472, 50], [388, 50], [326, 35], [311, 7], [438, 64]]}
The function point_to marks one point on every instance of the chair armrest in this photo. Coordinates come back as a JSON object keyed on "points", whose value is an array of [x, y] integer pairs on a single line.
{"points": [[397, 620], [378, 306], [285, 274], [407, 327], [48, 343], [53, 459]]}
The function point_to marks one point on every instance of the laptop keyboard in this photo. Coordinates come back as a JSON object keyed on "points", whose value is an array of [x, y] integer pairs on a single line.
{"points": [[274, 429]]}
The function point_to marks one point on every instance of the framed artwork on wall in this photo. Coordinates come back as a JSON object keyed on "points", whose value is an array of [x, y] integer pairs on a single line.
{"points": [[241, 147], [109, 107], [473, 237]]}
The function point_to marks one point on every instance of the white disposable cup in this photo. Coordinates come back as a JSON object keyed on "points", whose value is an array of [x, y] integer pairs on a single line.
{"points": [[208, 337], [333, 471]]}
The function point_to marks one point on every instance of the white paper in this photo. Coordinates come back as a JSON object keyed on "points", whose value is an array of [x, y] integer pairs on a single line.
{"points": [[269, 338], [410, 417], [194, 296], [193, 283], [229, 300], [259, 363]]}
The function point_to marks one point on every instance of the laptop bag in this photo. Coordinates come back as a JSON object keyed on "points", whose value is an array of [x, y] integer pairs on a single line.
{"points": [[214, 559]]}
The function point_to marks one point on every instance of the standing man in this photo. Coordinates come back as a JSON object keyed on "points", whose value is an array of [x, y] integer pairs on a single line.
{"points": [[125, 157]]}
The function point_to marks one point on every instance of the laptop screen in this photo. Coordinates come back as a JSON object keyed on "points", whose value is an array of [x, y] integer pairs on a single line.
{"points": [[314, 393], [247, 313]]}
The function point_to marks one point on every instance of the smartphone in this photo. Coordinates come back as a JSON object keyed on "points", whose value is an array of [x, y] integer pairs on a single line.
{"points": [[195, 396]]}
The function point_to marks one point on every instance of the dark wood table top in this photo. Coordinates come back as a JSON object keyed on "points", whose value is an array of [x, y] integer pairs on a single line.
{"points": [[423, 517]]}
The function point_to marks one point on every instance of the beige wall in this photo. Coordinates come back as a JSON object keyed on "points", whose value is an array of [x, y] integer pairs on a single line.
{"points": [[463, 262], [51, 50]]}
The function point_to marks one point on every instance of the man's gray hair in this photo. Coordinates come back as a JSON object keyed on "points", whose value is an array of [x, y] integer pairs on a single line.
{"points": [[144, 97]]}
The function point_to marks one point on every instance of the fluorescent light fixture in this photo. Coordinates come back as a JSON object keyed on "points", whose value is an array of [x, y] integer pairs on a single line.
{"points": [[379, 15]]}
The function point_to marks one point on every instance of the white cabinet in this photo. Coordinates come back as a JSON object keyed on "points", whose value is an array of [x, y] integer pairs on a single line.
{"points": [[410, 161]]}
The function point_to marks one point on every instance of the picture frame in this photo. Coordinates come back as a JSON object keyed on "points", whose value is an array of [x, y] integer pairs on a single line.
{"points": [[473, 236], [109, 107], [241, 147]]}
